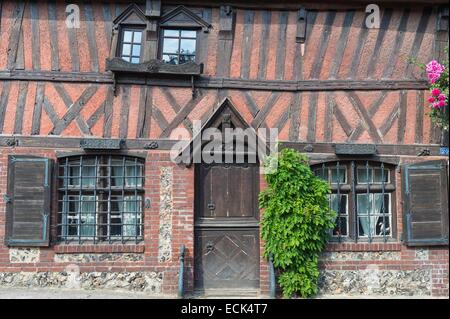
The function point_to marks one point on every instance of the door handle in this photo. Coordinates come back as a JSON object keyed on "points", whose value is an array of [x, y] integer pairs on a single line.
{"points": [[209, 246], [211, 206]]}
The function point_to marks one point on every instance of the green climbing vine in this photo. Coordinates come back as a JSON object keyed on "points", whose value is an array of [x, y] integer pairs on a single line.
{"points": [[296, 222]]}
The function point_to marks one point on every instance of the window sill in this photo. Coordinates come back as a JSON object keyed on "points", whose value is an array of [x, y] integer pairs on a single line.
{"points": [[153, 67], [361, 246], [99, 248]]}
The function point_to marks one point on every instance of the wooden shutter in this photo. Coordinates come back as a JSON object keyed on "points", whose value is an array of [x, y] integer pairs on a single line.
{"points": [[425, 204], [28, 201]]}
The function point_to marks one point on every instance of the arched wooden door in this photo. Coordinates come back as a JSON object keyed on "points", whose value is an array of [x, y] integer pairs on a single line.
{"points": [[226, 226]]}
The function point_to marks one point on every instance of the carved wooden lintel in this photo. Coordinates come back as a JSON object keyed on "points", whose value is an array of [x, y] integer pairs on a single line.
{"points": [[153, 67], [355, 149], [151, 145], [101, 144]]}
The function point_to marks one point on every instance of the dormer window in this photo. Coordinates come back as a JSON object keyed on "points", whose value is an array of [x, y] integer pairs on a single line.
{"points": [[131, 44], [178, 45], [166, 46]]}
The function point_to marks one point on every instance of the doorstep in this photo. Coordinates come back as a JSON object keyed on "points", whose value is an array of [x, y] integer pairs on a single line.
{"points": [[226, 294]]}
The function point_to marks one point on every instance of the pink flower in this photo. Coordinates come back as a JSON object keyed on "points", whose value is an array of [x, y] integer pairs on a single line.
{"points": [[435, 92], [436, 105], [431, 99], [442, 97], [434, 71], [441, 103]]}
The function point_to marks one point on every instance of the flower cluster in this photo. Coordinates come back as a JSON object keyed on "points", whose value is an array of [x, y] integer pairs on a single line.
{"points": [[438, 99], [434, 71], [438, 78]]}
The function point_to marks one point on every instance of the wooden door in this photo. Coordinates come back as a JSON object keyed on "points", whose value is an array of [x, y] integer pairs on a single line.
{"points": [[226, 227]]}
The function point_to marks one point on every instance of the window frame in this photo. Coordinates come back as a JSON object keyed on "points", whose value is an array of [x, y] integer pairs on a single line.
{"points": [[133, 28], [180, 28], [352, 188], [104, 194]]}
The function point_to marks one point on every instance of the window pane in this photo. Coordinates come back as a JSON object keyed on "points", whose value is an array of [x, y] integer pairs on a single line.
{"points": [[187, 46], [127, 36], [135, 60], [383, 226], [363, 204], [378, 178], [335, 174], [115, 225], [131, 215], [170, 46], [362, 175], [137, 37], [336, 206], [322, 173], [117, 172], [171, 33], [88, 176], [377, 204], [171, 59], [87, 228], [126, 49], [341, 227], [126, 58], [133, 175], [74, 172], [188, 34], [136, 50]]}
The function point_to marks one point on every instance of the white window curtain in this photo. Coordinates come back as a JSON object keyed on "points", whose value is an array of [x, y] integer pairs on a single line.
{"points": [[131, 215], [87, 223]]}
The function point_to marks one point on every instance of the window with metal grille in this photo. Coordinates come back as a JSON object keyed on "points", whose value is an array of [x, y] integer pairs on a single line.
{"points": [[362, 196], [100, 199], [131, 44], [178, 46]]}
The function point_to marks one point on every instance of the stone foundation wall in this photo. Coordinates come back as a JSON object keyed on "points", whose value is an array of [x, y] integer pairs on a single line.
{"points": [[402, 271], [93, 257], [150, 282], [373, 281]]}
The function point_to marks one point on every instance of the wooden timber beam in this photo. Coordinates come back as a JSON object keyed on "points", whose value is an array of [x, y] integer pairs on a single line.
{"points": [[167, 144], [216, 82]]}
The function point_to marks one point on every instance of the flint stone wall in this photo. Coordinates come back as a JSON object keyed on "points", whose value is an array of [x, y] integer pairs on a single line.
{"points": [[96, 257], [24, 255], [376, 282], [132, 281]]}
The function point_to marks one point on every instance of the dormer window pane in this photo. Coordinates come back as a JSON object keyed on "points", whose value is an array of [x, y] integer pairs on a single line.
{"points": [[128, 36], [137, 37], [136, 50], [171, 33], [187, 46], [178, 46], [188, 34], [171, 46], [126, 50], [131, 45]]}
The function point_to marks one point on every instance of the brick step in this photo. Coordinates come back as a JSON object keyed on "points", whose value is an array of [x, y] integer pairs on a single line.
{"points": [[227, 293]]}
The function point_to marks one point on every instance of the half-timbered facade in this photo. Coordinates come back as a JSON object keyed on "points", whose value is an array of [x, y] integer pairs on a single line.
{"points": [[94, 95]]}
